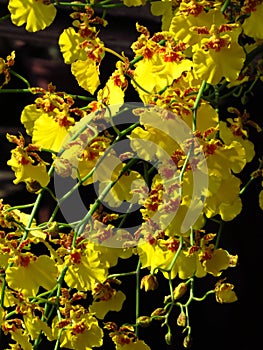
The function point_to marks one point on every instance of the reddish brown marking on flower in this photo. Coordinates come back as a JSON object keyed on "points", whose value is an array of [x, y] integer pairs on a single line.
{"points": [[6, 250], [157, 37], [117, 80], [12, 325], [24, 260], [210, 149], [78, 296], [66, 240], [63, 323], [154, 200], [104, 235], [85, 31], [172, 57], [216, 44], [208, 132], [177, 156], [209, 236], [75, 257], [194, 9], [172, 245], [198, 134], [151, 240], [24, 243], [226, 27], [24, 161], [201, 30], [78, 328], [193, 249], [206, 255], [148, 53], [180, 47], [250, 5], [167, 173], [63, 121], [103, 291], [171, 206]]}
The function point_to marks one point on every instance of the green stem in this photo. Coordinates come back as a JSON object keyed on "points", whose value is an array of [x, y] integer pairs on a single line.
{"points": [[125, 215], [24, 80], [50, 308], [15, 91], [24, 206], [3, 293], [87, 217], [137, 84], [225, 5], [196, 104], [244, 189], [252, 178], [123, 274], [80, 97], [137, 296], [114, 53], [174, 259], [77, 4], [57, 345], [171, 286], [219, 233], [204, 296]]}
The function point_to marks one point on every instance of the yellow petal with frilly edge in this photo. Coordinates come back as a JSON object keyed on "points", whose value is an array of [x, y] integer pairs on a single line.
{"points": [[47, 133], [101, 308], [69, 42], [37, 15], [41, 272]]}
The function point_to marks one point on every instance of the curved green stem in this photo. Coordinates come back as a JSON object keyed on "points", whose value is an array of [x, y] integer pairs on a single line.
{"points": [[196, 104], [24, 80], [80, 227], [23, 206], [225, 5], [137, 295]]}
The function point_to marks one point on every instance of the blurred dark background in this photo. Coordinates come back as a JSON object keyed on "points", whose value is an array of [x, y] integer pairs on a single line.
{"points": [[217, 327]]}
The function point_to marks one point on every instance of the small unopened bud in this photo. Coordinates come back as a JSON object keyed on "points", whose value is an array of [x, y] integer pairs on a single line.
{"points": [[149, 282], [158, 313], [187, 343], [168, 338], [181, 320], [180, 290], [144, 321]]}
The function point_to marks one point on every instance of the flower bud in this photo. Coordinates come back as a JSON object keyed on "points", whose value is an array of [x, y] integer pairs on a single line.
{"points": [[181, 320], [168, 338], [149, 282], [144, 321], [158, 312], [179, 290], [187, 343]]}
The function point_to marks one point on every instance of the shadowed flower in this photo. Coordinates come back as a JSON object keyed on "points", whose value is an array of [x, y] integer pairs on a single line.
{"points": [[224, 292]]}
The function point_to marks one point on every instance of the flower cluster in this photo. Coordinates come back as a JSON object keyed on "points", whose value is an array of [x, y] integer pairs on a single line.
{"points": [[159, 178]]}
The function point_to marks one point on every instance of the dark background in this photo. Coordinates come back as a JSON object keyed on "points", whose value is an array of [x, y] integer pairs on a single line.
{"points": [[217, 327]]}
